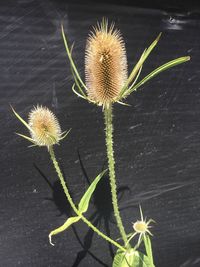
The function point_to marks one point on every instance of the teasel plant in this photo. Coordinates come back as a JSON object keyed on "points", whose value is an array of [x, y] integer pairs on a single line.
{"points": [[107, 82], [45, 131]]}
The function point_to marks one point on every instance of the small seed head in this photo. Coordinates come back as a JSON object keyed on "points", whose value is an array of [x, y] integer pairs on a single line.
{"points": [[45, 129], [140, 227], [105, 64]]}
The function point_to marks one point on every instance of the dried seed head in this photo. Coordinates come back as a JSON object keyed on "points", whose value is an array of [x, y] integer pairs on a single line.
{"points": [[105, 64], [45, 129]]}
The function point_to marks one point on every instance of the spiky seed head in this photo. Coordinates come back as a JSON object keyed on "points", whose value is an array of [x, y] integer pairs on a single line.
{"points": [[140, 227], [45, 128], [105, 64]]}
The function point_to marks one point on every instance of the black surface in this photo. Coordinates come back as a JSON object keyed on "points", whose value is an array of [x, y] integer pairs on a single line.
{"points": [[170, 5], [157, 139]]}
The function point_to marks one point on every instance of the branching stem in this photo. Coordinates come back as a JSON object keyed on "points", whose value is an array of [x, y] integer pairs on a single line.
{"points": [[66, 191]]}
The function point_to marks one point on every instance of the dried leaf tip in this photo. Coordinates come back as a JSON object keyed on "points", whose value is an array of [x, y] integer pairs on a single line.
{"points": [[105, 64]]}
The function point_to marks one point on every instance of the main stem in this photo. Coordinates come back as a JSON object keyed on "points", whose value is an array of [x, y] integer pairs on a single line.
{"points": [[111, 165], [66, 191]]}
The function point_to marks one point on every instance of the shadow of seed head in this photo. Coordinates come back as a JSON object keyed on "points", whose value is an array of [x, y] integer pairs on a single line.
{"points": [[105, 64], [45, 129]]}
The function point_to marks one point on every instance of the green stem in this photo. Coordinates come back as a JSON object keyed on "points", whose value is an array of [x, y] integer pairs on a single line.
{"points": [[66, 191], [111, 166], [148, 248]]}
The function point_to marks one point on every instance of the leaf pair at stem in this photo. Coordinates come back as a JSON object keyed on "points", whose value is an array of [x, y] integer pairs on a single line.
{"points": [[82, 207]]}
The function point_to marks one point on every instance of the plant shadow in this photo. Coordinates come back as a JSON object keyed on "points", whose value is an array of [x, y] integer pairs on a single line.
{"points": [[58, 196], [102, 214]]}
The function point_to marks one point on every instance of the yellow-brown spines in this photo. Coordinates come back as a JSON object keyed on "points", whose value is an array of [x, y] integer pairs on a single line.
{"points": [[45, 129], [105, 65]]}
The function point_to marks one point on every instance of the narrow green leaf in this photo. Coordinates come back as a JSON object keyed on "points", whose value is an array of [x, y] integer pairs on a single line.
{"points": [[65, 134], [20, 118], [123, 104], [138, 74], [147, 243], [84, 202], [71, 59], [155, 72], [151, 47], [27, 138], [62, 228], [134, 72], [78, 84], [142, 60], [136, 69], [130, 258], [31, 146], [78, 94]]}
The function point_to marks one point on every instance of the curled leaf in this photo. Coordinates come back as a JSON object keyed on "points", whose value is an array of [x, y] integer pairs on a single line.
{"points": [[82, 207], [62, 228]]}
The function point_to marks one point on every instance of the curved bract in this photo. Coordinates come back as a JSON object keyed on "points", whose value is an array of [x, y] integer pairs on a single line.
{"points": [[107, 81]]}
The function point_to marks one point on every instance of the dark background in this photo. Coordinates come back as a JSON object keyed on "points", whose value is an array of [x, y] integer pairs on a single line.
{"points": [[157, 140]]}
